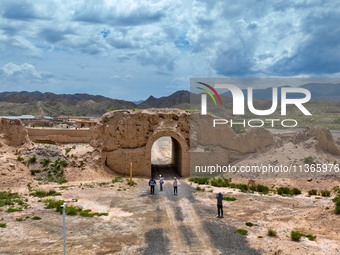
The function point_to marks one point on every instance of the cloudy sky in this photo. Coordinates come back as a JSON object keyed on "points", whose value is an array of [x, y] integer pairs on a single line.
{"points": [[133, 49]]}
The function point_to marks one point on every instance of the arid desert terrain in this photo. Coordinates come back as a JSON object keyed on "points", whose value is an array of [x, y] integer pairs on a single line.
{"points": [[106, 215]]}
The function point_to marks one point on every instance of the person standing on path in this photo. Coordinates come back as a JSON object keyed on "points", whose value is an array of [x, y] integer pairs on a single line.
{"points": [[175, 184], [161, 181], [152, 184], [219, 198]]}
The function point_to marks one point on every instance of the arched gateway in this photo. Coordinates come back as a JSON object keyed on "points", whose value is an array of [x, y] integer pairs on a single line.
{"points": [[126, 136]]}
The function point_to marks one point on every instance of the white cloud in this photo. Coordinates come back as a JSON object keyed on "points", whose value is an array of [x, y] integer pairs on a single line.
{"points": [[11, 69], [164, 40]]}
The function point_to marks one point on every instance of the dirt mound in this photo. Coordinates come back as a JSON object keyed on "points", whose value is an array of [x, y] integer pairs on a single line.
{"points": [[13, 132], [317, 136], [86, 164]]}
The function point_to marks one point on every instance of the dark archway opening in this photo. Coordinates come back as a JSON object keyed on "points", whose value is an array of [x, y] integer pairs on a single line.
{"points": [[166, 158]]}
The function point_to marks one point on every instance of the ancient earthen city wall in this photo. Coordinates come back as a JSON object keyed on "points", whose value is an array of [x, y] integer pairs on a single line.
{"points": [[13, 132], [59, 135], [126, 137]]}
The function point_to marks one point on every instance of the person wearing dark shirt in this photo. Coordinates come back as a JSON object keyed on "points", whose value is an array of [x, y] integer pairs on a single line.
{"points": [[219, 198], [152, 184]]}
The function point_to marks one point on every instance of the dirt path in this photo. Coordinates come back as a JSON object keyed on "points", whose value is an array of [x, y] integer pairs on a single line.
{"points": [[184, 227], [140, 223]]}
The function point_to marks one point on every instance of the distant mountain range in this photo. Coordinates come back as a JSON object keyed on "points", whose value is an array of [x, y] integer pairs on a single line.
{"points": [[179, 99], [37, 103]]}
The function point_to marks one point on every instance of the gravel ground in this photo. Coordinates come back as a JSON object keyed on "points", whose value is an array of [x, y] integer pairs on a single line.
{"points": [[192, 227]]}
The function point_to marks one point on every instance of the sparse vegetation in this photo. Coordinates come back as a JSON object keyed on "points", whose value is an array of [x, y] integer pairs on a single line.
{"points": [[32, 160], [325, 193], [12, 209], [114, 109], [35, 171], [86, 213], [337, 209], [296, 236], [45, 162], [42, 193], [117, 179], [54, 204], [198, 188], [29, 187], [200, 180], [63, 163], [238, 129], [67, 150], [103, 183], [308, 160], [220, 182], [20, 159], [61, 181], [70, 210], [206, 149], [295, 191], [81, 163], [36, 218], [53, 172], [242, 187], [259, 188], [272, 233], [2, 225], [229, 198], [132, 183], [312, 192], [310, 237], [8, 198], [64, 187], [226, 182], [287, 191], [336, 200], [283, 191], [241, 231], [250, 224]]}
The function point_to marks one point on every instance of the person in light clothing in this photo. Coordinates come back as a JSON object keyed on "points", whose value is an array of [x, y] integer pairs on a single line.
{"points": [[175, 184], [161, 181]]}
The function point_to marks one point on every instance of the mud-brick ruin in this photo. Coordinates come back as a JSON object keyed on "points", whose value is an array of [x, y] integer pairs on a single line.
{"points": [[126, 137]]}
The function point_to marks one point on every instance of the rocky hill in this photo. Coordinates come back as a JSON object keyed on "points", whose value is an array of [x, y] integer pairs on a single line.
{"points": [[37, 103], [325, 98], [179, 99]]}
